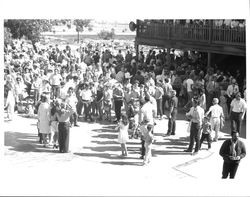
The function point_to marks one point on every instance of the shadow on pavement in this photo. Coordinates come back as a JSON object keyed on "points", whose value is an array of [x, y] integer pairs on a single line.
{"points": [[108, 136], [103, 155], [123, 163], [24, 142]]}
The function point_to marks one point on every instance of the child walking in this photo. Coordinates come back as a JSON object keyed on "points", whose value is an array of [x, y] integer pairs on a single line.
{"points": [[206, 132]]}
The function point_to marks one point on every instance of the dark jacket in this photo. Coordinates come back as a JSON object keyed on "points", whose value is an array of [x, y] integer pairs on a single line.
{"points": [[239, 148]]}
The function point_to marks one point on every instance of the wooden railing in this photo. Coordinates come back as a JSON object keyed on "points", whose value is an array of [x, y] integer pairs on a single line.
{"points": [[206, 33]]}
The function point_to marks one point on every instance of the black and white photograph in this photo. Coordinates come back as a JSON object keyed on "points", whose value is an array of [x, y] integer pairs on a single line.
{"points": [[144, 105]]}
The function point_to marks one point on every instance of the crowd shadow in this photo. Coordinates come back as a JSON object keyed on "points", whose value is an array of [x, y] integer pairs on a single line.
{"points": [[24, 142], [171, 147]]}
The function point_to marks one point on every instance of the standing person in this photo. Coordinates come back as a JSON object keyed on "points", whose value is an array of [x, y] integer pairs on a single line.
{"points": [[63, 114], [86, 98], [99, 101], [118, 96], [173, 104], [43, 116], [232, 151], [149, 138], [123, 134], [237, 112], [196, 114], [158, 96], [53, 126], [55, 81], [232, 90], [72, 101], [10, 102], [217, 117], [206, 132]]}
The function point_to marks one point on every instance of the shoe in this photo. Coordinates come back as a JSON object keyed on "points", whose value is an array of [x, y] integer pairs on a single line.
{"points": [[215, 140], [195, 153], [76, 125], [172, 133], [141, 157], [188, 150], [166, 135]]}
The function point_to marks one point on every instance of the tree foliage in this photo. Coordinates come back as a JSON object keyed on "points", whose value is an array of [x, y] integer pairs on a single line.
{"points": [[31, 29], [106, 35], [81, 23], [7, 36]]}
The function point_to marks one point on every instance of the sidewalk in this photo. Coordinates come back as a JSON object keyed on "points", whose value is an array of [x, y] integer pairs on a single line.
{"points": [[94, 161]]}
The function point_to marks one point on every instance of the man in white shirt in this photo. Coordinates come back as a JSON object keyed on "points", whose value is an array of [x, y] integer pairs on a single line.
{"points": [[148, 111], [232, 90], [55, 81], [196, 116], [237, 112], [217, 117], [71, 100], [86, 97]]}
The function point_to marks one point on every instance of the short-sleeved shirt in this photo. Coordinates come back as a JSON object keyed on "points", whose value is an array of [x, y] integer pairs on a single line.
{"points": [[238, 105]]}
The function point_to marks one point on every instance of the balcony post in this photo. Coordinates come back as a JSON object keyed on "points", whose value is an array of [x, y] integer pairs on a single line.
{"points": [[208, 59]]}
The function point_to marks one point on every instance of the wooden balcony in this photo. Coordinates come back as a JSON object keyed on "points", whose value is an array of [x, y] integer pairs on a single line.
{"points": [[206, 38]]}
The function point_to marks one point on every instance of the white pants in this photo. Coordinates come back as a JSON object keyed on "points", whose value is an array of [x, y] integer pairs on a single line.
{"points": [[215, 124]]}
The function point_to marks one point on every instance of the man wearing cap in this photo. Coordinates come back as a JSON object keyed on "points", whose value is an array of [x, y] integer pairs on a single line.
{"points": [[237, 112], [232, 151], [173, 104], [196, 115], [217, 117]]}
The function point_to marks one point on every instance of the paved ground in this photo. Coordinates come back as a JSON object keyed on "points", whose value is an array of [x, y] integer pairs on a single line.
{"points": [[94, 167]]}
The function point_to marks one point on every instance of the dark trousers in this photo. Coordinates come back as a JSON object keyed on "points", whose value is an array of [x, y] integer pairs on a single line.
{"points": [[171, 123], [63, 137], [55, 91], [194, 136], [159, 106], [87, 112], [229, 168], [79, 107], [206, 136], [100, 109], [236, 121], [165, 98], [118, 106], [73, 118], [143, 147]]}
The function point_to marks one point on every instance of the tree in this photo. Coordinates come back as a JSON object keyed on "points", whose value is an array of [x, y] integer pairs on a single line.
{"points": [[80, 24], [31, 29], [7, 36], [106, 35]]}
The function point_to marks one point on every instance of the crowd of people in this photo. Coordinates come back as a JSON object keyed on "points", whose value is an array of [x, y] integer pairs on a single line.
{"points": [[61, 85]]}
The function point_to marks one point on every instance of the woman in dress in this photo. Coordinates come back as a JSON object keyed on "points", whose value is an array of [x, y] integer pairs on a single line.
{"points": [[44, 119], [123, 133]]}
